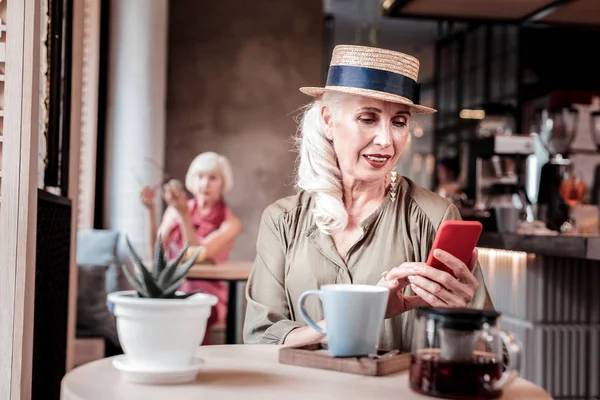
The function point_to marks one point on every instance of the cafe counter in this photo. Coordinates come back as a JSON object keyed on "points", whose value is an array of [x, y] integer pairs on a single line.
{"points": [[577, 247], [548, 291]]}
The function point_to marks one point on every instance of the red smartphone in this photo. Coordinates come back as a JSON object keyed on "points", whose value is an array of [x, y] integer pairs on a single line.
{"points": [[458, 238]]}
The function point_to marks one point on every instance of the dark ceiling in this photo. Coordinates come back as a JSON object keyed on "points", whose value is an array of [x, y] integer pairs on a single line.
{"points": [[584, 13]]}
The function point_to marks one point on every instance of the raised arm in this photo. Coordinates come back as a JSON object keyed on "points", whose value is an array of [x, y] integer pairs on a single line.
{"points": [[223, 238], [166, 224], [147, 198]]}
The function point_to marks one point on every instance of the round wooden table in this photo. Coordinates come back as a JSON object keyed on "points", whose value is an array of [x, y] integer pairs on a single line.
{"points": [[232, 272], [225, 271], [253, 372]]}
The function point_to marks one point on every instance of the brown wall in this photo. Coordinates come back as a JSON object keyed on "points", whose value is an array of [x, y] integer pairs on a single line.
{"points": [[234, 69]]}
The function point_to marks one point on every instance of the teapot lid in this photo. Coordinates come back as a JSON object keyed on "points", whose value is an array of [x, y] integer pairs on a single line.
{"points": [[459, 318]]}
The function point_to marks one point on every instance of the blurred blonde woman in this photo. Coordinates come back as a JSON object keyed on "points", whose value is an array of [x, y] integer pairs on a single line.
{"points": [[204, 221]]}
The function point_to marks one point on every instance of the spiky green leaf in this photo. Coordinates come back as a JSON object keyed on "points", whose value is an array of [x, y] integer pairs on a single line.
{"points": [[149, 283], [137, 285], [166, 275], [182, 271], [165, 278], [175, 263], [170, 291], [136, 259], [145, 277], [160, 260]]}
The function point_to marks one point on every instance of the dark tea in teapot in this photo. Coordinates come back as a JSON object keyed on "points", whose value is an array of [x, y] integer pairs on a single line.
{"points": [[457, 353], [432, 375]]}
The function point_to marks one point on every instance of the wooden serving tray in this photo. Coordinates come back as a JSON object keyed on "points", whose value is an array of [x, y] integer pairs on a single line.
{"points": [[317, 356]]}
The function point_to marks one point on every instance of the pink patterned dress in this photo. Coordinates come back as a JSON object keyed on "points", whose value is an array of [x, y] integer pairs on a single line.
{"points": [[204, 224]]}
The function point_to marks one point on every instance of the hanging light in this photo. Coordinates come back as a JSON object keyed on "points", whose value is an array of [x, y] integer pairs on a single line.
{"points": [[471, 114], [418, 132], [387, 4]]}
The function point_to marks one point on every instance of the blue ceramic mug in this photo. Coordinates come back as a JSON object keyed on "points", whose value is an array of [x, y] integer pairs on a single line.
{"points": [[354, 316]]}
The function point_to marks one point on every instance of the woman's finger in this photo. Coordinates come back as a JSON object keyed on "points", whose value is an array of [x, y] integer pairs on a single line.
{"points": [[391, 285], [435, 289], [459, 269], [403, 271], [474, 260], [459, 288], [441, 277], [428, 297]]}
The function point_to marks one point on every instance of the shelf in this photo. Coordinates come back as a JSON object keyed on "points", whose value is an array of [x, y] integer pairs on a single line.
{"points": [[505, 180], [574, 151]]}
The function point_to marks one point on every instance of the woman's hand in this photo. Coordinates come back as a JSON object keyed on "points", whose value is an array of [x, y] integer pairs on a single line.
{"points": [[439, 288], [396, 280], [175, 196], [147, 197]]}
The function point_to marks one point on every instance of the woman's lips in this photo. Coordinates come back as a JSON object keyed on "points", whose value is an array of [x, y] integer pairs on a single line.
{"points": [[376, 160]]}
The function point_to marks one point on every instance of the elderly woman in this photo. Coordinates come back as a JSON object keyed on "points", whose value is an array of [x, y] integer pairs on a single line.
{"points": [[205, 222], [354, 220]]}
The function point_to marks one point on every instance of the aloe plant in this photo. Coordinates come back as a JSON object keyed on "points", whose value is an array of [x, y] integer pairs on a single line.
{"points": [[163, 280]]}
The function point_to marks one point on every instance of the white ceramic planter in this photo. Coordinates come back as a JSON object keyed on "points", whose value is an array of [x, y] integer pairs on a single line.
{"points": [[161, 334]]}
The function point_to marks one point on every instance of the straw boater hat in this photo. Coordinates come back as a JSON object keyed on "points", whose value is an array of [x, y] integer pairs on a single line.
{"points": [[377, 73]]}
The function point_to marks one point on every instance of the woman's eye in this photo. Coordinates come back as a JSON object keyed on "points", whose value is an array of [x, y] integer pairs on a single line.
{"points": [[399, 122], [367, 119]]}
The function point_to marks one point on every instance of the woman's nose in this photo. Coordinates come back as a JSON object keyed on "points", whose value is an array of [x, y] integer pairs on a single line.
{"points": [[383, 137]]}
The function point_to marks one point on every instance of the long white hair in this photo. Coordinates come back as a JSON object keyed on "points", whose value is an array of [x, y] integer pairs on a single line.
{"points": [[318, 172]]}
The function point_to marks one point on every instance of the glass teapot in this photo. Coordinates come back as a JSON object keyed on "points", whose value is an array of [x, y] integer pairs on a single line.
{"points": [[458, 353]]}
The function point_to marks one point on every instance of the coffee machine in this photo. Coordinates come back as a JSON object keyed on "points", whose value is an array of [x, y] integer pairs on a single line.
{"points": [[496, 178], [556, 128]]}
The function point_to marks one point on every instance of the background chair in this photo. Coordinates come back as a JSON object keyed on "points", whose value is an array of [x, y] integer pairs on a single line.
{"points": [[100, 255]]}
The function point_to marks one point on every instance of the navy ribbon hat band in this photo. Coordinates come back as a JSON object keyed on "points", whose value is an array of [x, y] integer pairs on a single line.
{"points": [[374, 79]]}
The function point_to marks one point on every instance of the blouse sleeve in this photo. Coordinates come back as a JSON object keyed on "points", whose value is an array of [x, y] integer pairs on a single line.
{"points": [[267, 312]]}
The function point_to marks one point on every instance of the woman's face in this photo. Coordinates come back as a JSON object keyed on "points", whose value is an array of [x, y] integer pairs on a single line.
{"points": [[368, 135], [207, 185]]}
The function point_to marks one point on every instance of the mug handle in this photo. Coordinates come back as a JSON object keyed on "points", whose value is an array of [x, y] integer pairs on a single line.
{"points": [[303, 313], [514, 348]]}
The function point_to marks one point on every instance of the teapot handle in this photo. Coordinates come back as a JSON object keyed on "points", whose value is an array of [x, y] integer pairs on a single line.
{"points": [[514, 348]]}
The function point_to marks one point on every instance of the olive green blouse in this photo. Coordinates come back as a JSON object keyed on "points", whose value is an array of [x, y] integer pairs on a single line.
{"points": [[294, 256]]}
